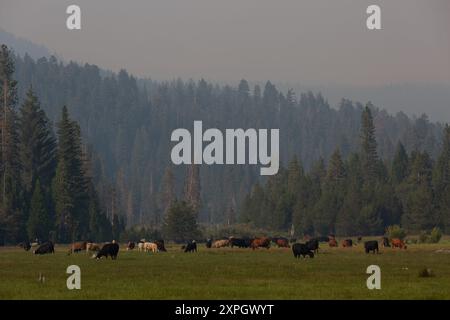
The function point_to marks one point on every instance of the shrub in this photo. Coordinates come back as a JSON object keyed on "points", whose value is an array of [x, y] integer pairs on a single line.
{"points": [[435, 235], [395, 232]]}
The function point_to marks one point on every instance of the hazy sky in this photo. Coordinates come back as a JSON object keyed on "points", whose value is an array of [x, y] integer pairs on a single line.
{"points": [[310, 42]]}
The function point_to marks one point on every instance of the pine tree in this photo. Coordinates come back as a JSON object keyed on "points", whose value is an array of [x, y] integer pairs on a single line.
{"points": [[12, 226], [39, 222], [369, 156], [336, 170], [347, 222], [37, 150], [419, 200], [400, 165], [70, 186], [37, 144], [64, 202], [180, 223]]}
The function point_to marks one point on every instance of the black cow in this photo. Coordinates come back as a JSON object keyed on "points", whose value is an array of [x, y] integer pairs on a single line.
{"points": [[44, 248], [191, 247], [160, 245], [386, 242], [241, 243], [209, 243], [301, 249], [109, 249], [313, 245], [371, 246]]}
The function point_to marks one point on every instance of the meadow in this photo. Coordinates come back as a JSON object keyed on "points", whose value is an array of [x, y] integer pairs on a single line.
{"points": [[226, 273]]}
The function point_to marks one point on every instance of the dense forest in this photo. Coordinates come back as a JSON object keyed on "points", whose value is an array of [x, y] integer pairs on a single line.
{"points": [[359, 195], [129, 121], [126, 125], [46, 189]]}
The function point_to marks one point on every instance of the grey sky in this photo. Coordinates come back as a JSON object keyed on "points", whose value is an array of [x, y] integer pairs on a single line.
{"points": [[312, 42]]}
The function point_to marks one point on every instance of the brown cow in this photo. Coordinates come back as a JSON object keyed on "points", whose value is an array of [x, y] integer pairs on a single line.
{"points": [[263, 242], [347, 243], [397, 243], [332, 243], [282, 243], [77, 247]]}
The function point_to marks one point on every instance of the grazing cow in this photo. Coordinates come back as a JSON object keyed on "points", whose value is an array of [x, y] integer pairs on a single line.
{"points": [[371, 246], [263, 242], [150, 246], [347, 243], [44, 248], [91, 246], [130, 245], [209, 243], [274, 239], [282, 243], [141, 246], [240, 242], [221, 243], [301, 249], [397, 243], [160, 245], [77, 247], [386, 242], [191, 247], [25, 245], [109, 249], [332, 243], [313, 245]]}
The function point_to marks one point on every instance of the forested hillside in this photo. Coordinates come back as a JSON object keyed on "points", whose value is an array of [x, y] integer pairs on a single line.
{"points": [[129, 121]]}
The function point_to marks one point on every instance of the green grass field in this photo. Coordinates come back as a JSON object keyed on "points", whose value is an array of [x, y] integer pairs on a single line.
{"points": [[335, 273]]}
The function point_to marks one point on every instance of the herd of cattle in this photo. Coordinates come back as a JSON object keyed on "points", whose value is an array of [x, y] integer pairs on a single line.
{"points": [[309, 248]]}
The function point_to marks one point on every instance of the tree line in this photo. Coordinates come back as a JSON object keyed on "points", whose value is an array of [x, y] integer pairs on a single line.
{"points": [[47, 190], [128, 122], [357, 195]]}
